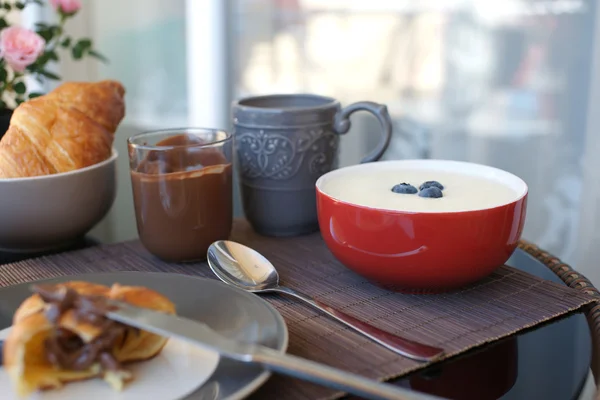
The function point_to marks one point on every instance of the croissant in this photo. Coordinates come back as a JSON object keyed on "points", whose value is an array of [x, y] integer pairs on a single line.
{"points": [[56, 339], [69, 128]]}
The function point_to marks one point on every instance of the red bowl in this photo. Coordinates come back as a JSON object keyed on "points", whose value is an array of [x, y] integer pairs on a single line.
{"points": [[422, 251]]}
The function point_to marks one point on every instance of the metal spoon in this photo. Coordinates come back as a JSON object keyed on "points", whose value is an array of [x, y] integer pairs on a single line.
{"points": [[245, 268]]}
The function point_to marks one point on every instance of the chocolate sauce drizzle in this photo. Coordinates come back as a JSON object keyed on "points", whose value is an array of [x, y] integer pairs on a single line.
{"points": [[64, 348]]}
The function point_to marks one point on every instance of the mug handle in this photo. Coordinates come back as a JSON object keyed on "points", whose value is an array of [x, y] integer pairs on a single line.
{"points": [[342, 125]]}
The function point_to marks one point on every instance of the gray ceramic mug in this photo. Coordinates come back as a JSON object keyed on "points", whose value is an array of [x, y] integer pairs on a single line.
{"points": [[284, 144]]}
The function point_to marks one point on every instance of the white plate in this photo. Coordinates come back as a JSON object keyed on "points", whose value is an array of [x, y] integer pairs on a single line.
{"points": [[177, 371]]}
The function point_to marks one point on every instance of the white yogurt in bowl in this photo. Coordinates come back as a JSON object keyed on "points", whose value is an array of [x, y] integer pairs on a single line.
{"points": [[466, 186]]}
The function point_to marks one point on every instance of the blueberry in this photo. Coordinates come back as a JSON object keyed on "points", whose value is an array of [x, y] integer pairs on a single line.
{"points": [[431, 184], [431, 191], [404, 188]]}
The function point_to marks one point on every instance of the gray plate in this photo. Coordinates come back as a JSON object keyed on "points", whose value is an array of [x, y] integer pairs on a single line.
{"points": [[229, 311]]}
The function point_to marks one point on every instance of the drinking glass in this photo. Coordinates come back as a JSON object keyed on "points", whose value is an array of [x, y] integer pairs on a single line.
{"points": [[182, 190]]}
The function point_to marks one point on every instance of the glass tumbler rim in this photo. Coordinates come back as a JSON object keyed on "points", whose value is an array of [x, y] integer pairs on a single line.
{"points": [[132, 145]]}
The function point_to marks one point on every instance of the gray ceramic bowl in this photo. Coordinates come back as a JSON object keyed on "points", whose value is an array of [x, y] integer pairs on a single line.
{"points": [[47, 212]]}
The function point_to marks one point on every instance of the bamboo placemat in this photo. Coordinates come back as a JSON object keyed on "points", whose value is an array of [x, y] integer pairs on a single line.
{"points": [[504, 303]]}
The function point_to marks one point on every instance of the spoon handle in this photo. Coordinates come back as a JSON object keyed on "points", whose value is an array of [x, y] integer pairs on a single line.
{"points": [[325, 375], [405, 347]]}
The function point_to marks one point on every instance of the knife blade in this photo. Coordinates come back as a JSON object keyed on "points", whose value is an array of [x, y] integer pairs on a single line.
{"points": [[202, 335], [169, 325]]}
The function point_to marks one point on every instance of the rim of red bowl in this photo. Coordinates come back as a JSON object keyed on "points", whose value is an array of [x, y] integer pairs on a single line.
{"points": [[430, 165]]}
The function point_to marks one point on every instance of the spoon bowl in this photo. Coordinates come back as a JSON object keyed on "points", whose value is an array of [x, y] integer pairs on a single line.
{"points": [[241, 266], [247, 269]]}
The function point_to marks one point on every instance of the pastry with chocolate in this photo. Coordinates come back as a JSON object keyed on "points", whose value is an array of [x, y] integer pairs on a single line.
{"points": [[61, 334]]}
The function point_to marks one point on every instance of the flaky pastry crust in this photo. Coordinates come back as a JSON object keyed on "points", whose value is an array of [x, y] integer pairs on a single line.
{"points": [[70, 128], [24, 355]]}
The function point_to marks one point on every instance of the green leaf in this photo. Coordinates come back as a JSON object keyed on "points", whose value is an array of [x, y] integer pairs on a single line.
{"points": [[20, 6], [3, 23], [66, 42], [7, 6], [35, 67], [19, 100], [46, 33], [81, 48], [39, 63], [3, 74], [84, 43], [52, 55], [42, 25], [49, 74], [77, 52], [97, 55], [2, 105], [42, 60], [33, 95], [20, 87]]}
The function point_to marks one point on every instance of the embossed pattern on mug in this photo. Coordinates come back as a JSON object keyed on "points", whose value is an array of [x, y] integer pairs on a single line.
{"points": [[279, 156]]}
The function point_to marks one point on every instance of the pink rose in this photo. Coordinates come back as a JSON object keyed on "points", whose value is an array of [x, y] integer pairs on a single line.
{"points": [[20, 47], [67, 6]]}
